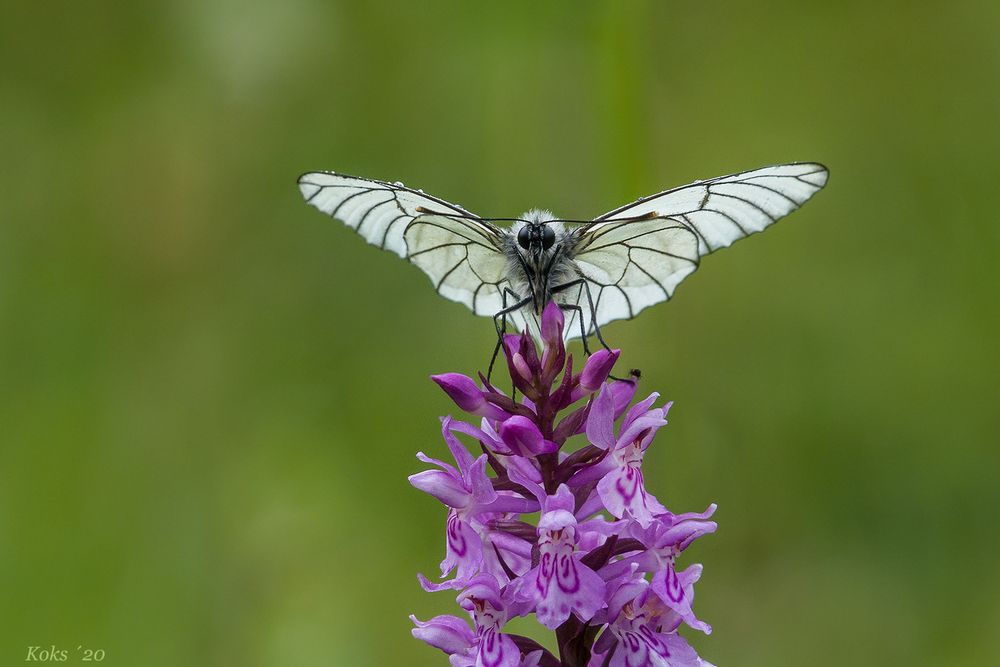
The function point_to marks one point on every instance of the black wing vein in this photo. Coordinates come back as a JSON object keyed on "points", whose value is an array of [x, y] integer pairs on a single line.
{"points": [[461, 253], [646, 248]]}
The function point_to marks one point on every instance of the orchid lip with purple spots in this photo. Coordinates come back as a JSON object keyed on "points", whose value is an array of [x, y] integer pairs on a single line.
{"points": [[539, 525]]}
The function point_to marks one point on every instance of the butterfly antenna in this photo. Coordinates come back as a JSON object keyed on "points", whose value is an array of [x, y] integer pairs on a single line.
{"points": [[464, 216], [652, 215], [452, 214]]}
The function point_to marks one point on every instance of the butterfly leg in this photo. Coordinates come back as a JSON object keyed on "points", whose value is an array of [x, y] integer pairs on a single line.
{"points": [[593, 322], [593, 312], [500, 323], [583, 333]]}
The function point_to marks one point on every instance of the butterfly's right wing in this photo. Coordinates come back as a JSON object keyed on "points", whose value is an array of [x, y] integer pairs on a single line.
{"points": [[628, 265], [725, 209], [460, 252], [635, 256]]}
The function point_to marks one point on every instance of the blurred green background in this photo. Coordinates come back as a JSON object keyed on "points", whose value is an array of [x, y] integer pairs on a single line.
{"points": [[210, 394]]}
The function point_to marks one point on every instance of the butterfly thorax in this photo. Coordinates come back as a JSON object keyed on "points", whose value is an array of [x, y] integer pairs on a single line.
{"points": [[537, 258]]}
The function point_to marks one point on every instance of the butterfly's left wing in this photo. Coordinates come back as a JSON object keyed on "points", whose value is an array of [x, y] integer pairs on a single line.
{"points": [[636, 255], [460, 252]]}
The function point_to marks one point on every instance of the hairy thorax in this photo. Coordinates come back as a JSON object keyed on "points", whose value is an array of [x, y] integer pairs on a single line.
{"points": [[536, 271]]}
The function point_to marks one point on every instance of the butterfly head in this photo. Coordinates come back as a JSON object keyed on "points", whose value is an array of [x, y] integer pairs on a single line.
{"points": [[535, 235]]}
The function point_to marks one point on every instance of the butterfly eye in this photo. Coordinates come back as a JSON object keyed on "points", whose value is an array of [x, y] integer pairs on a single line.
{"points": [[548, 237], [524, 237]]}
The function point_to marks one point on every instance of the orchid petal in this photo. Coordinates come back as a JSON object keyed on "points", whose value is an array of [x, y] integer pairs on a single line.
{"points": [[447, 467], [566, 585], [638, 409], [483, 433], [643, 427], [443, 486], [676, 591], [552, 325], [600, 421], [447, 633], [497, 649], [623, 392], [458, 451], [522, 436], [597, 369], [463, 548], [467, 395]]}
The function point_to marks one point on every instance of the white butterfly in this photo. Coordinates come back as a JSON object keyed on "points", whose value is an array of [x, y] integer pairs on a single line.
{"points": [[607, 269]]}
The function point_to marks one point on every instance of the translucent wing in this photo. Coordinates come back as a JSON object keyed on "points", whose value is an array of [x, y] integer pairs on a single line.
{"points": [[460, 252], [635, 256]]}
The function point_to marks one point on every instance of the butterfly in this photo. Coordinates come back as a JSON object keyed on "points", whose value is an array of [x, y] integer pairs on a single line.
{"points": [[601, 270]]}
